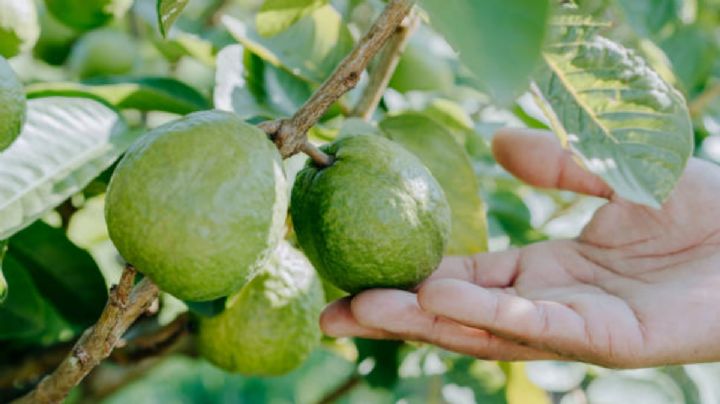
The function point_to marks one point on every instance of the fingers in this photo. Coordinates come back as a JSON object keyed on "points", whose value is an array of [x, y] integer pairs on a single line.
{"points": [[538, 159], [490, 270], [337, 321], [398, 314], [546, 325]]}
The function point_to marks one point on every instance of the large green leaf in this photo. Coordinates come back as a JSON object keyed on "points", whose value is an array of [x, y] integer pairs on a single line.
{"points": [[22, 314], [144, 94], [499, 41], [168, 11], [276, 16], [648, 17], [65, 143], [66, 275], [627, 125], [450, 165], [250, 87], [311, 48]]}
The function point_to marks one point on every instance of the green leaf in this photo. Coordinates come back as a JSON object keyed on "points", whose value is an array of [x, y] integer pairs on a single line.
{"points": [[310, 49], [450, 165], [520, 389], [276, 16], [386, 355], [168, 11], [66, 275], [144, 93], [23, 312], [250, 87], [207, 309], [693, 52], [626, 124], [3, 282], [648, 17], [499, 41], [65, 143]]}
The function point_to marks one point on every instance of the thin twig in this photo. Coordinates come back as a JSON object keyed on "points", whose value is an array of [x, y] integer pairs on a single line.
{"points": [[699, 103], [344, 388], [290, 135], [125, 304], [382, 72]]}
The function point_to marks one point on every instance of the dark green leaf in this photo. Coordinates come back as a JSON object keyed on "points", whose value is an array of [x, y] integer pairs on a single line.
{"points": [[386, 355], [3, 282], [65, 143], [66, 275], [209, 308], [627, 125], [692, 52], [435, 146], [23, 312], [144, 94], [499, 41], [276, 16], [168, 11]]}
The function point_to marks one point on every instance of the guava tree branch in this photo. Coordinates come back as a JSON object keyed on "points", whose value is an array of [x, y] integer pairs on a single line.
{"points": [[290, 135], [125, 304], [382, 72]]}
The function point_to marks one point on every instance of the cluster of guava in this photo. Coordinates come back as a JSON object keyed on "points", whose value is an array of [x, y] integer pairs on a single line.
{"points": [[199, 205]]}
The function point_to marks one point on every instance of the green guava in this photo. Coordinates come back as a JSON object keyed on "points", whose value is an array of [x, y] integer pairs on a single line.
{"points": [[198, 204], [271, 325], [419, 70], [103, 52], [87, 14], [56, 40], [374, 218], [12, 105], [19, 28]]}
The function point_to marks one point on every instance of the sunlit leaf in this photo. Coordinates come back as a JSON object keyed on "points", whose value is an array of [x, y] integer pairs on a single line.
{"points": [[626, 124], [519, 389], [450, 165], [144, 94], [65, 143], [311, 48], [168, 11], [276, 16]]}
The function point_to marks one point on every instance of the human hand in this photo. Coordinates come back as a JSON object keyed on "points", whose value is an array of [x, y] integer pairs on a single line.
{"points": [[639, 287]]}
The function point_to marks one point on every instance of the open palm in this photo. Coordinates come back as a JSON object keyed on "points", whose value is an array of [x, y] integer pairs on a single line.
{"points": [[639, 287]]}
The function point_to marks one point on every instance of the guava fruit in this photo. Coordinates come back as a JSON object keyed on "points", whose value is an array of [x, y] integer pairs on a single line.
{"points": [[19, 28], [12, 105], [87, 14], [271, 325], [374, 218], [56, 40], [103, 52], [418, 70], [198, 204]]}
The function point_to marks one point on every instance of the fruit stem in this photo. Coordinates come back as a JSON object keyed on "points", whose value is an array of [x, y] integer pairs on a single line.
{"points": [[320, 158]]}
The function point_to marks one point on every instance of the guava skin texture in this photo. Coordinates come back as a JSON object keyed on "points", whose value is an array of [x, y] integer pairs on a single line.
{"points": [[375, 218], [12, 105], [271, 325], [19, 28], [198, 204], [87, 14]]}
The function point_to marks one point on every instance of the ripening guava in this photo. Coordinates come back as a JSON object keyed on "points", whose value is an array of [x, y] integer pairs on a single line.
{"points": [[103, 52], [419, 70], [87, 14], [374, 218], [198, 204], [19, 28], [12, 105], [271, 325]]}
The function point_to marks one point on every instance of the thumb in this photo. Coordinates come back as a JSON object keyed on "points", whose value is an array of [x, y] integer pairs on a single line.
{"points": [[537, 158]]}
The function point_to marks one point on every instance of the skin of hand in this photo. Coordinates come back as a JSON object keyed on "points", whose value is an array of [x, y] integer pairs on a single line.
{"points": [[639, 287]]}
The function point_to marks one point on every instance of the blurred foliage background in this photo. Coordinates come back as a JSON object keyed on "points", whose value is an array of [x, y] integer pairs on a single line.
{"points": [[219, 54]]}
